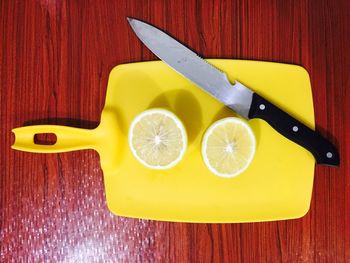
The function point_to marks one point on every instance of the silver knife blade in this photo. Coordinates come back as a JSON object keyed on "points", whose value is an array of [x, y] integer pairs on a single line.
{"points": [[236, 96]]}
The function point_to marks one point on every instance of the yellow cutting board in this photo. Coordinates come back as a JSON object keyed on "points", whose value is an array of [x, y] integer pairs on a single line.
{"points": [[277, 185]]}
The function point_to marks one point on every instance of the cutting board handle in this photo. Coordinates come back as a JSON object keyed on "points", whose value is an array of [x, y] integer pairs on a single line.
{"points": [[68, 139]]}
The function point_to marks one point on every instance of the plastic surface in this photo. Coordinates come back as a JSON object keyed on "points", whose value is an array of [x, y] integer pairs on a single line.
{"points": [[277, 185]]}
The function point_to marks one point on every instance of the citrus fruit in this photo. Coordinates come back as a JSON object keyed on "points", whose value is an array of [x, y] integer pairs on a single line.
{"points": [[228, 147], [157, 138]]}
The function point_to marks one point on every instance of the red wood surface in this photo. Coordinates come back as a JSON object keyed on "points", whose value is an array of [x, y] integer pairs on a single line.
{"points": [[55, 57]]}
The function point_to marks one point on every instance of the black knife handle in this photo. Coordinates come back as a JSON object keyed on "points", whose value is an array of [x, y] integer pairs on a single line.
{"points": [[323, 151]]}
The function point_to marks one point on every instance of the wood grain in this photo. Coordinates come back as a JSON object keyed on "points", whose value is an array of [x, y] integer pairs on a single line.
{"points": [[55, 57]]}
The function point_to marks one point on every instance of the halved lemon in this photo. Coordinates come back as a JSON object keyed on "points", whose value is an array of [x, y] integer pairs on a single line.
{"points": [[157, 138], [228, 147]]}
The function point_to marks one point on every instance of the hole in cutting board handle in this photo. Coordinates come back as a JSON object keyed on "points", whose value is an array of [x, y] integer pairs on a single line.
{"points": [[45, 138]]}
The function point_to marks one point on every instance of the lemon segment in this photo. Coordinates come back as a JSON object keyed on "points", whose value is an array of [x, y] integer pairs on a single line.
{"points": [[228, 147], [157, 138]]}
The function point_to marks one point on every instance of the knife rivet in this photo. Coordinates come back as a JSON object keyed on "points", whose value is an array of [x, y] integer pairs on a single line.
{"points": [[295, 128], [262, 107], [329, 155]]}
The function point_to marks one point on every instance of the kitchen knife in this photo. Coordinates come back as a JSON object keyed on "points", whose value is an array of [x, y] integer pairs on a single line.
{"points": [[236, 96]]}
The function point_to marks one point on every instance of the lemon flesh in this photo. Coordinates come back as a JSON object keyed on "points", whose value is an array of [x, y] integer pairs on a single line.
{"points": [[228, 147], [157, 138]]}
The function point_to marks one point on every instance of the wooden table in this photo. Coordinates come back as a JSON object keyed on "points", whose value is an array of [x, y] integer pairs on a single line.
{"points": [[55, 58]]}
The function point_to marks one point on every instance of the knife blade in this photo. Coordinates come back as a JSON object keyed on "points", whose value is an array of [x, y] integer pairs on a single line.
{"points": [[236, 96]]}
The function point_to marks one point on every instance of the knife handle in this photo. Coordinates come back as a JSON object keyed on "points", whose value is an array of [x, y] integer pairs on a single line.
{"points": [[323, 151]]}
